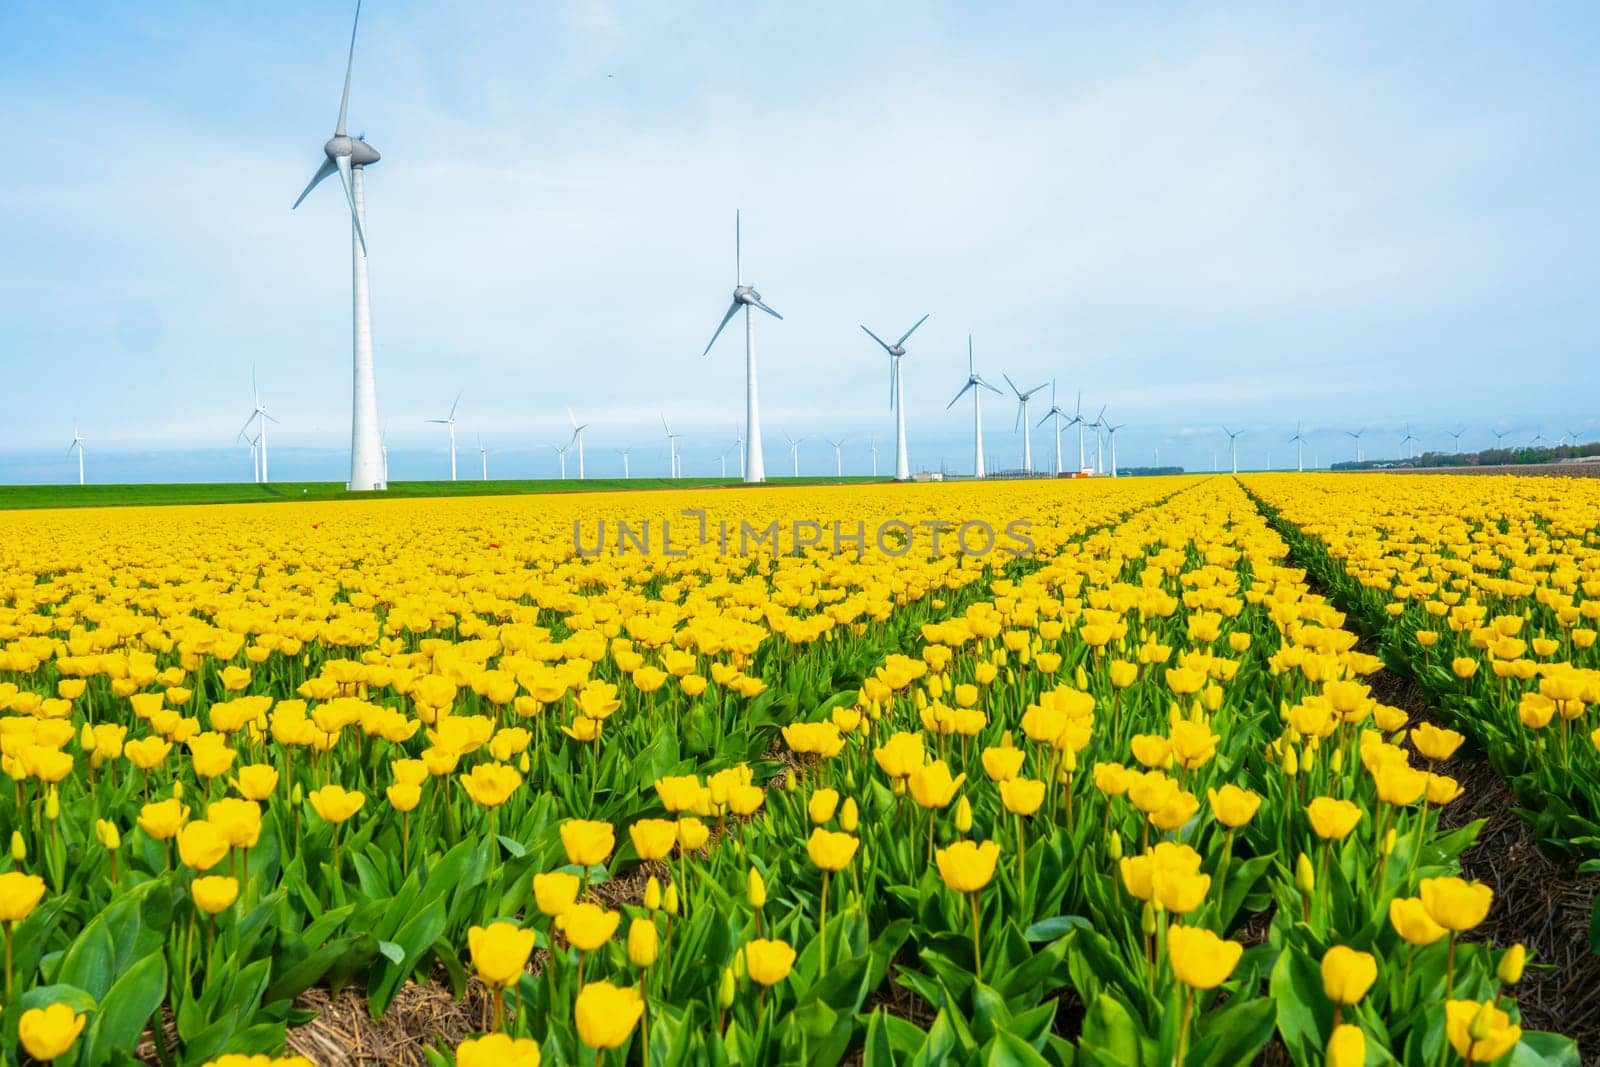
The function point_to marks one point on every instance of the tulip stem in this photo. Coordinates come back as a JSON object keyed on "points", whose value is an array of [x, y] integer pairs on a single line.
{"points": [[1183, 1025], [8, 929], [822, 934], [977, 950], [1022, 867], [1450, 967]]}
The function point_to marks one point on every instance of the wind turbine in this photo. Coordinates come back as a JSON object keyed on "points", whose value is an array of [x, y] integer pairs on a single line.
{"points": [[1111, 432], [1408, 439], [623, 452], [794, 451], [483, 454], [258, 414], [1233, 447], [838, 461], [672, 448], [255, 457], [1098, 425], [723, 459], [577, 435], [897, 351], [1455, 436], [450, 422], [77, 442], [1056, 413], [349, 157], [1022, 420], [738, 444], [1499, 436], [1299, 441], [745, 296], [872, 444], [1357, 435], [975, 383], [561, 453], [383, 450]]}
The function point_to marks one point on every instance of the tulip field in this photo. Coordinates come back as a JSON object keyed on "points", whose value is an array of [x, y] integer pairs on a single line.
{"points": [[1101, 779]]}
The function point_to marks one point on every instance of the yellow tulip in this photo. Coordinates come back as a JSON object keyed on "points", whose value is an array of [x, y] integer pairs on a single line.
{"points": [[49, 1033], [768, 962], [500, 952], [1347, 974], [336, 804], [1411, 921], [588, 926], [831, 851], [1200, 959], [201, 845], [607, 1014], [587, 842], [1333, 819], [497, 1050], [555, 892], [1347, 1047], [214, 894], [653, 839], [1479, 1032], [19, 895], [1456, 904], [967, 867]]}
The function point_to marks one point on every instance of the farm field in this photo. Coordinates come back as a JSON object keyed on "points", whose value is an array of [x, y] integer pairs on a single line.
{"points": [[1117, 774]]}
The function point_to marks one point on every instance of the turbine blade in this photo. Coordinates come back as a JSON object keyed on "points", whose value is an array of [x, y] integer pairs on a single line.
{"points": [[453, 408], [1016, 423], [989, 387], [269, 418], [349, 65], [323, 171], [733, 309], [1011, 383], [958, 396], [1047, 416], [343, 164], [878, 339], [906, 336], [769, 311], [894, 378], [738, 248]]}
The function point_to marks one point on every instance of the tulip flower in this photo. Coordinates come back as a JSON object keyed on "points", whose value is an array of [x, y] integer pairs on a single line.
{"points": [[1458, 906], [49, 1033], [1479, 1032], [653, 839], [1346, 976], [606, 1015], [966, 868], [1347, 1047], [831, 852], [768, 962], [213, 894], [588, 843], [498, 1050], [1201, 961]]}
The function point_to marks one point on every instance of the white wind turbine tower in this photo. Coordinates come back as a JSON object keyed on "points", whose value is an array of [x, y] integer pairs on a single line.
{"points": [[1409, 438], [872, 445], [738, 444], [838, 462], [722, 460], [1357, 435], [794, 451], [976, 384], [745, 296], [672, 448], [255, 456], [1111, 432], [77, 443], [1299, 442], [577, 436], [1022, 421], [483, 455], [450, 422], [1056, 413], [1455, 437], [1098, 425], [258, 414], [561, 453], [383, 450], [1233, 447], [349, 157], [897, 352], [623, 452]]}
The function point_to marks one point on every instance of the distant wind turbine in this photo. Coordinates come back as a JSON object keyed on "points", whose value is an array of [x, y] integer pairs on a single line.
{"points": [[1455, 437], [872, 445], [1499, 436], [77, 443], [738, 444], [450, 423], [623, 452], [794, 451], [1022, 420], [1111, 432], [255, 457], [672, 448], [350, 157], [975, 384], [483, 455], [577, 435], [1233, 447], [561, 453], [1099, 425], [1409, 438], [1357, 435], [1299, 441], [1057, 414], [897, 352], [258, 415], [383, 450], [745, 296], [838, 462]]}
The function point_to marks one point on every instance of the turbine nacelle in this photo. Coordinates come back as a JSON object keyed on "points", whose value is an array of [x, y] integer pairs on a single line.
{"points": [[358, 151]]}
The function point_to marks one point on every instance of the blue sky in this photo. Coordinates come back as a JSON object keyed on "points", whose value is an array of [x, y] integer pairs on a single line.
{"points": [[1355, 215]]}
